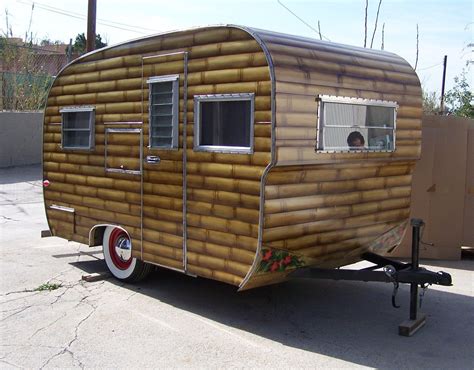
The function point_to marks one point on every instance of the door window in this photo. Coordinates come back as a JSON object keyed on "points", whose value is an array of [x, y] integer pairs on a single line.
{"points": [[164, 111]]}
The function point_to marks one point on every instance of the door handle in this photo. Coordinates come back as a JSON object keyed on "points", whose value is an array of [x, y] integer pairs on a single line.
{"points": [[153, 159]]}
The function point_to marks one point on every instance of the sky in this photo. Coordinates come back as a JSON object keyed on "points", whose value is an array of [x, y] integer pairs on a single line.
{"points": [[446, 27]]}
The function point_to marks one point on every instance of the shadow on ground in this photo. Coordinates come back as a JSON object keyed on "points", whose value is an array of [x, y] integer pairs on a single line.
{"points": [[350, 321], [13, 175]]}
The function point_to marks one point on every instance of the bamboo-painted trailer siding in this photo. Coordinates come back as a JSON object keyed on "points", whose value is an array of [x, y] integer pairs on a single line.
{"points": [[223, 190], [284, 199], [327, 208], [305, 68]]}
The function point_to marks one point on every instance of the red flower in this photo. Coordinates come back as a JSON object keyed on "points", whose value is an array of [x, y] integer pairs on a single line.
{"points": [[267, 256], [275, 266], [287, 260]]}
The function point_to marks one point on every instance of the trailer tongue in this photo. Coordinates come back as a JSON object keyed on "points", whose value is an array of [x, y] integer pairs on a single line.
{"points": [[391, 271]]}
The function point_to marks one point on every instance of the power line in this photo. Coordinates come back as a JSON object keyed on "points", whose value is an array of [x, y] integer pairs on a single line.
{"points": [[434, 65], [76, 15], [104, 22], [302, 20], [100, 19]]}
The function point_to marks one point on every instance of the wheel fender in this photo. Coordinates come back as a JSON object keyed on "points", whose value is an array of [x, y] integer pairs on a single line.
{"points": [[96, 234]]}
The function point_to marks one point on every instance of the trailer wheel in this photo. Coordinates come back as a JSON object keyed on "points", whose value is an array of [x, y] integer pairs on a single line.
{"points": [[117, 248]]}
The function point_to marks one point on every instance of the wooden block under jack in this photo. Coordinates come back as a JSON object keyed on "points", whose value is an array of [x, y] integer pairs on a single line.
{"points": [[95, 277], [45, 233], [410, 327]]}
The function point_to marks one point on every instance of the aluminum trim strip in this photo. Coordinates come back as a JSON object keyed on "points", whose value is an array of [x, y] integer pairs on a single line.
{"points": [[261, 211], [167, 267], [164, 55], [119, 170], [185, 182], [62, 208]]}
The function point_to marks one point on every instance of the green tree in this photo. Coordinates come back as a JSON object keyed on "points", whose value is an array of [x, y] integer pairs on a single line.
{"points": [[79, 45], [430, 102], [460, 99], [47, 42]]}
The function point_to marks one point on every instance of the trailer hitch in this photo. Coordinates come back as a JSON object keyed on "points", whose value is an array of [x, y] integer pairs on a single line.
{"points": [[394, 272]]}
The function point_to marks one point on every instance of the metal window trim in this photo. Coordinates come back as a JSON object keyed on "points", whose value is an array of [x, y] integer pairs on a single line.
{"points": [[174, 111], [78, 109], [120, 123], [123, 130], [164, 78], [357, 101], [198, 99], [321, 110]]}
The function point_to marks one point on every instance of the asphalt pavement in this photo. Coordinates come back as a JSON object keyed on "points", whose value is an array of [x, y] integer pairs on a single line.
{"points": [[176, 321]]}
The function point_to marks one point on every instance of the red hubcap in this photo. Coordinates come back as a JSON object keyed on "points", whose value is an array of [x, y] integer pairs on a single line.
{"points": [[117, 238]]}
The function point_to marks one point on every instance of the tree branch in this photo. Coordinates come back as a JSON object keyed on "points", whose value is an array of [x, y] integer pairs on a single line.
{"points": [[365, 35], [383, 37], [417, 46], [375, 27]]}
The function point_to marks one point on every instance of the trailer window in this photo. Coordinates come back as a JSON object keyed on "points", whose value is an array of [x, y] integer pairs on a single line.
{"points": [[224, 123], [164, 111], [78, 127], [349, 124]]}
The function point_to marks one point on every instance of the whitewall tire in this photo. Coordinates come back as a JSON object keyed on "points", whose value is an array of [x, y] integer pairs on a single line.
{"points": [[117, 248]]}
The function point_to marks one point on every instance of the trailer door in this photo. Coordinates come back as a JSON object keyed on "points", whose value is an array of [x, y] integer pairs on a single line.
{"points": [[164, 114]]}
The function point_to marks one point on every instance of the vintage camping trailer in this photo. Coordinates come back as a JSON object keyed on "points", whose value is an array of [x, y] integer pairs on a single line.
{"points": [[226, 152]]}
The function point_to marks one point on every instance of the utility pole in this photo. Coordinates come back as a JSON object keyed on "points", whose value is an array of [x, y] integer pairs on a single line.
{"points": [[441, 107], [91, 16]]}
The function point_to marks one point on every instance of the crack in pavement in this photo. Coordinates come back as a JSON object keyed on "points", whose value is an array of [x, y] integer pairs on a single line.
{"points": [[8, 219], [19, 291], [47, 326], [9, 363], [81, 301], [57, 298], [131, 295], [16, 313], [17, 299], [88, 291], [28, 345], [67, 349]]}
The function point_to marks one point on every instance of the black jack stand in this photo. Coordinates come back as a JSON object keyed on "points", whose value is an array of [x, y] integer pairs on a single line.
{"points": [[417, 319]]}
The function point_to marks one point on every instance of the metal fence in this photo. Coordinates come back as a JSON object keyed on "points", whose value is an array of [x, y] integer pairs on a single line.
{"points": [[26, 74]]}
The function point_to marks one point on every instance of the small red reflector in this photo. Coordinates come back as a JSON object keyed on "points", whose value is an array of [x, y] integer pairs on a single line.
{"points": [[46, 183]]}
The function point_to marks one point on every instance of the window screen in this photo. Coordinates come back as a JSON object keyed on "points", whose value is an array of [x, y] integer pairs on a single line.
{"points": [[78, 127], [347, 124], [224, 122], [163, 111]]}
